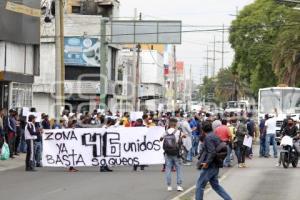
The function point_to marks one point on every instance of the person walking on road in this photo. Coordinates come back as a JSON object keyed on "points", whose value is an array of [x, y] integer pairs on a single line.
{"points": [[270, 127], [223, 132], [240, 148], [210, 164], [262, 137], [171, 141]]}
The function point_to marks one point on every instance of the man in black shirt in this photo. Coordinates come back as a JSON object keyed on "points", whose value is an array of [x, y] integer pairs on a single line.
{"points": [[210, 164], [291, 129]]}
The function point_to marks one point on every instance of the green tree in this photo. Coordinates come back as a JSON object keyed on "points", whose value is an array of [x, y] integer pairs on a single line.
{"points": [[253, 37], [286, 54], [207, 90], [229, 86]]}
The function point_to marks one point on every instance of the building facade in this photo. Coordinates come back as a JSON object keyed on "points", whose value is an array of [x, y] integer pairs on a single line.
{"points": [[151, 88], [19, 53], [82, 64]]}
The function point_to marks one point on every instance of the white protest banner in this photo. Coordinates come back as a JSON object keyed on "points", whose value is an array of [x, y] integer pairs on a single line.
{"points": [[247, 141], [100, 146], [25, 111]]}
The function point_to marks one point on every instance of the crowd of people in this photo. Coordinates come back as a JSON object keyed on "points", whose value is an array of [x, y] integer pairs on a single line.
{"points": [[196, 135]]}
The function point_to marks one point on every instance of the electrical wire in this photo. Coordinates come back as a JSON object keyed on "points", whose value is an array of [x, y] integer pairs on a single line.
{"points": [[252, 27]]}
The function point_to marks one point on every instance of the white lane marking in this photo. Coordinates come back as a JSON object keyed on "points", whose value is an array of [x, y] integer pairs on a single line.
{"points": [[184, 193], [194, 187], [220, 180], [54, 191]]}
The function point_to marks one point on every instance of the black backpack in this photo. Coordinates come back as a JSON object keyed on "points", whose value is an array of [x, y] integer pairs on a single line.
{"points": [[170, 145], [221, 150]]}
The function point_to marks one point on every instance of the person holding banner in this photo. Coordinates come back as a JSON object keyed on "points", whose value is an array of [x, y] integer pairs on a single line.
{"points": [[109, 122], [172, 139], [139, 123], [30, 136]]}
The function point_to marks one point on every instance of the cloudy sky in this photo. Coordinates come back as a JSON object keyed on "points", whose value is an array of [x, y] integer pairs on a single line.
{"points": [[195, 14]]}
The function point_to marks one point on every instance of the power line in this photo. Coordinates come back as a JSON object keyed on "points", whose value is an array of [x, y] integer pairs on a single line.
{"points": [[254, 27]]}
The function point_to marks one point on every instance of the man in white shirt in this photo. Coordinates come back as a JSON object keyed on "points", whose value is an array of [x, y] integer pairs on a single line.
{"points": [[30, 134], [270, 127]]}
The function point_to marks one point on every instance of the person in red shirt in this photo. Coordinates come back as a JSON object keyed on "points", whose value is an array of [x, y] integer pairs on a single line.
{"points": [[223, 132]]}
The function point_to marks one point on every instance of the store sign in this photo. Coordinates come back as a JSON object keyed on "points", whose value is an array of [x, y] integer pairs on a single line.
{"points": [[82, 51], [82, 87]]}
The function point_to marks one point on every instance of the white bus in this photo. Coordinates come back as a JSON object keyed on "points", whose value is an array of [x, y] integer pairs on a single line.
{"points": [[279, 102]]}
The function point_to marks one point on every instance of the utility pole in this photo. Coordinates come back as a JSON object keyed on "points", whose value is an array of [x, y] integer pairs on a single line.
{"points": [[207, 60], [214, 58], [103, 67], [137, 75], [184, 100], [191, 88], [210, 58], [223, 38], [175, 78], [59, 58]]}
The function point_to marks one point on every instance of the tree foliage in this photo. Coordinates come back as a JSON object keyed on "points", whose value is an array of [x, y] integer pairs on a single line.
{"points": [[265, 37], [225, 86], [286, 54]]}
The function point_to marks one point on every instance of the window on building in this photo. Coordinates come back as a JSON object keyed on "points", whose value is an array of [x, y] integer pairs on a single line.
{"points": [[76, 9], [113, 63], [21, 95], [120, 73]]}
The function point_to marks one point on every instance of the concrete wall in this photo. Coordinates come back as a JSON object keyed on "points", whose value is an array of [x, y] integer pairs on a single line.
{"points": [[2, 55], [44, 103], [47, 64], [152, 67]]}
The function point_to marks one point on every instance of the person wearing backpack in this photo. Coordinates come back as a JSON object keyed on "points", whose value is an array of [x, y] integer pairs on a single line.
{"points": [[172, 139], [251, 131], [210, 161], [240, 148]]}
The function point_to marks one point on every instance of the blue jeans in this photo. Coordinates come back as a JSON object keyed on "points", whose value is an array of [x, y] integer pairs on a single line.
{"points": [[227, 160], [271, 138], [210, 175], [38, 152], [189, 156], [170, 162], [262, 147], [195, 144], [23, 145]]}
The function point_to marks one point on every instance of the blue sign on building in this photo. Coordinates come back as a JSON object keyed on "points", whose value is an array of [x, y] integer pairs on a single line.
{"points": [[82, 51]]}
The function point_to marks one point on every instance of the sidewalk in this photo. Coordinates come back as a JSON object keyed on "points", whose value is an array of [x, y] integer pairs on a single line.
{"points": [[18, 161]]}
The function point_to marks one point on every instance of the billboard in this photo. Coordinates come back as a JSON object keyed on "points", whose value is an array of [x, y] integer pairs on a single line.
{"points": [[20, 21], [82, 51], [145, 32], [179, 67]]}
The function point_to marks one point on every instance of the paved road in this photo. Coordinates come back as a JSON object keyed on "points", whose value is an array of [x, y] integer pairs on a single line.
{"points": [[89, 184], [261, 181]]}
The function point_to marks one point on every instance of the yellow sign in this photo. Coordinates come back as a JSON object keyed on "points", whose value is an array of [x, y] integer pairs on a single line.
{"points": [[23, 9]]}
